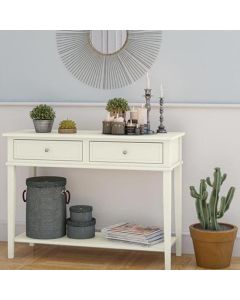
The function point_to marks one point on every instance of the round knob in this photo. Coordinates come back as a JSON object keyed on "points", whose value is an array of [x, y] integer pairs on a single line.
{"points": [[47, 149], [124, 152]]}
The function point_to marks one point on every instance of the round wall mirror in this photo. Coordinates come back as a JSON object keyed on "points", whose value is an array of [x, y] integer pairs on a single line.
{"points": [[108, 59], [108, 41]]}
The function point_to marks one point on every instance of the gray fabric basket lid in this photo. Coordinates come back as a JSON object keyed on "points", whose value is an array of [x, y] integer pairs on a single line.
{"points": [[81, 224], [81, 208], [46, 181]]}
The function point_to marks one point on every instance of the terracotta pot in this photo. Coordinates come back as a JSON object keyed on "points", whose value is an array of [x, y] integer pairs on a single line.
{"points": [[69, 130], [213, 249]]}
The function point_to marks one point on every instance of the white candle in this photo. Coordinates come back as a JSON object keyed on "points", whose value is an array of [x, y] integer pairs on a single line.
{"points": [[120, 119], [147, 80], [108, 117], [161, 90], [133, 114]]}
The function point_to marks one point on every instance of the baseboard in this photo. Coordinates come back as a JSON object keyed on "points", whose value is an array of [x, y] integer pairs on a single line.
{"points": [[186, 238]]}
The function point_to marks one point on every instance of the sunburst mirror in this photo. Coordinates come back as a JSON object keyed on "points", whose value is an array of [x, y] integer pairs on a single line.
{"points": [[108, 59]]}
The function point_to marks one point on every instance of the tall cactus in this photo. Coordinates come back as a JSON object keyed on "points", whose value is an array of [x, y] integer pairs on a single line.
{"points": [[201, 203], [209, 211]]}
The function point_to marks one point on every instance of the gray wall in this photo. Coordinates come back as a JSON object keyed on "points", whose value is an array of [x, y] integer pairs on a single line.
{"points": [[195, 66]]}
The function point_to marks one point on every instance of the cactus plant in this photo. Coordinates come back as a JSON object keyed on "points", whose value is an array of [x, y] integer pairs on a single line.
{"points": [[42, 112], [67, 124], [208, 211]]}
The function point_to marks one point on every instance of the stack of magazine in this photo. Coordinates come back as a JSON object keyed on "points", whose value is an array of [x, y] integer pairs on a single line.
{"points": [[133, 233]]}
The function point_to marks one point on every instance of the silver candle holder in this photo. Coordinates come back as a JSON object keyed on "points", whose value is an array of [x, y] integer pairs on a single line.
{"points": [[148, 96], [161, 127]]}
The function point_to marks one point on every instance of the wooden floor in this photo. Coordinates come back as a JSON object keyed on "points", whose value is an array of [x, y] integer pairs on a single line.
{"points": [[44, 257]]}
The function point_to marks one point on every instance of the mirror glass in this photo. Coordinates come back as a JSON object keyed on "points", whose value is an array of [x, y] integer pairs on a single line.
{"points": [[108, 41]]}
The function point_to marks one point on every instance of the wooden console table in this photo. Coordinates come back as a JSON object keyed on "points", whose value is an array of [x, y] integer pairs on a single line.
{"points": [[93, 150]]}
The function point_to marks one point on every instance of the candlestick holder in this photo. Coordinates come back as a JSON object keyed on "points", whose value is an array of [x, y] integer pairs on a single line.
{"points": [[161, 127], [148, 96]]}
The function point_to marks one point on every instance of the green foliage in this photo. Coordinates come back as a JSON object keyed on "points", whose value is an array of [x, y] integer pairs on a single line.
{"points": [[42, 112], [117, 105], [208, 211], [67, 124]]}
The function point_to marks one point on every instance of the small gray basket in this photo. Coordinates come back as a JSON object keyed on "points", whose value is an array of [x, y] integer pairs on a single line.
{"points": [[81, 213], [46, 199], [118, 128], [81, 230]]}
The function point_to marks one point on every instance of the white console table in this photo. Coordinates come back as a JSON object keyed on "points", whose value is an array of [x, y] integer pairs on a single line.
{"points": [[93, 150]]}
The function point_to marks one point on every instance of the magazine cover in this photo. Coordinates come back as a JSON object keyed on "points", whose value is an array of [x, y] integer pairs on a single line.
{"points": [[133, 229]]}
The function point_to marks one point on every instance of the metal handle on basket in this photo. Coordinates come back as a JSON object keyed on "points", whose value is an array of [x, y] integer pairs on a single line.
{"points": [[23, 196], [67, 196]]}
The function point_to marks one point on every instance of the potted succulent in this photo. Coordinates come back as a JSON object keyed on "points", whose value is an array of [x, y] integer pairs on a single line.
{"points": [[67, 126], [213, 242], [117, 106], [43, 117]]}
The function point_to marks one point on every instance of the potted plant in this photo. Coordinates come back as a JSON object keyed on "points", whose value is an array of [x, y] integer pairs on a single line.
{"points": [[117, 106], [67, 126], [213, 242], [43, 117]]}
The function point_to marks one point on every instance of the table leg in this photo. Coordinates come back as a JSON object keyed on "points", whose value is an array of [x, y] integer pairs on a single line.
{"points": [[178, 208], [167, 212], [34, 174], [11, 182]]}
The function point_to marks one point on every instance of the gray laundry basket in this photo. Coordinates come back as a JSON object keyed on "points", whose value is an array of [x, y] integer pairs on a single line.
{"points": [[46, 199]]}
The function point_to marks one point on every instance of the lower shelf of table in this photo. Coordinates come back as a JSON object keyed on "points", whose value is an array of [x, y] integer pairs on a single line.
{"points": [[99, 241]]}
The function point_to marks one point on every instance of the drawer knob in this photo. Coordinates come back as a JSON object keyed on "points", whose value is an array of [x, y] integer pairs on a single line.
{"points": [[47, 149], [124, 152]]}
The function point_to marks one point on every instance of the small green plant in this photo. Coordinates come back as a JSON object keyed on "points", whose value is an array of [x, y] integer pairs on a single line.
{"points": [[117, 105], [67, 124], [42, 112], [208, 211]]}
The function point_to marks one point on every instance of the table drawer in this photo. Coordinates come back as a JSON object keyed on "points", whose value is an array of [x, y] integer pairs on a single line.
{"points": [[48, 150], [126, 152]]}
